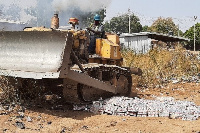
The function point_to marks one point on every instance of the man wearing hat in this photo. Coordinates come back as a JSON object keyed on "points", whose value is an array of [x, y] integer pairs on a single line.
{"points": [[96, 30]]}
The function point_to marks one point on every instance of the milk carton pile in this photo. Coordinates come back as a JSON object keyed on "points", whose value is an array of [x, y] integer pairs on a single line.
{"points": [[161, 107]]}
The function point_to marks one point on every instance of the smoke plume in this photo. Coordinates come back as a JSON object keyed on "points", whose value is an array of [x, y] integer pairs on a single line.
{"points": [[39, 12], [82, 5]]}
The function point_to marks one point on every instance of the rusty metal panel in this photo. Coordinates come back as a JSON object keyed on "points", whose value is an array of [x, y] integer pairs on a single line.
{"points": [[32, 54], [65, 66]]}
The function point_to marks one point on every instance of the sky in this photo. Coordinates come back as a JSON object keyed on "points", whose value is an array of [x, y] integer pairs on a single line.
{"points": [[182, 11]]}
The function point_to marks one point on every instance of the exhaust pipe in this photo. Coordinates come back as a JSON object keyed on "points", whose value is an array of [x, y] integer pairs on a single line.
{"points": [[55, 21]]}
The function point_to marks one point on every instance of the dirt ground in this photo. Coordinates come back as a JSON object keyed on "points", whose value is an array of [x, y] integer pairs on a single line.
{"points": [[60, 121]]}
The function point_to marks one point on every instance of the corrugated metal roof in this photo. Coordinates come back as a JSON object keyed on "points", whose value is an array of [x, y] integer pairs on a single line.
{"points": [[157, 36]]}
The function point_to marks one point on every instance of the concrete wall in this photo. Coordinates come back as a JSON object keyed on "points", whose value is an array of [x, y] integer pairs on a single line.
{"points": [[139, 44]]}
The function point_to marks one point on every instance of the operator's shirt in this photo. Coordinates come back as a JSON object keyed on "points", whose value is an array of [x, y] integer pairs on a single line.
{"points": [[96, 28]]}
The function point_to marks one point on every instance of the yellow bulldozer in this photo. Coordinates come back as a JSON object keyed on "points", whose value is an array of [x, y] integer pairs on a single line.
{"points": [[58, 58]]}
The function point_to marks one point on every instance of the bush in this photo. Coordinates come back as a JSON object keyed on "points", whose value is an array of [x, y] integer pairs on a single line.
{"points": [[8, 91], [17, 89], [160, 65]]}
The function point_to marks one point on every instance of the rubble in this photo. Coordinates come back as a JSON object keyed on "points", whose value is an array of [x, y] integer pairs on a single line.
{"points": [[29, 119], [161, 107], [175, 81], [20, 125], [49, 122], [186, 79], [63, 130]]}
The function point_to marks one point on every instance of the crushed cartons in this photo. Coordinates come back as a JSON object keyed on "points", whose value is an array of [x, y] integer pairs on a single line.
{"points": [[186, 79], [161, 107]]}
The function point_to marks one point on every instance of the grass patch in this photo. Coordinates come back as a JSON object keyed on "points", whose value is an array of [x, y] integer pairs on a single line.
{"points": [[160, 65]]}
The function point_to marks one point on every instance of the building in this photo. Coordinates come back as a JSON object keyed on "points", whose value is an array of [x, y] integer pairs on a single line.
{"points": [[137, 42], [144, 41], [11, 25]]}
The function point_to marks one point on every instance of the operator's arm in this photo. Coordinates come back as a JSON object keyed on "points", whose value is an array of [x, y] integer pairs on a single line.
{"points": [[95, 32], [98, 31]]}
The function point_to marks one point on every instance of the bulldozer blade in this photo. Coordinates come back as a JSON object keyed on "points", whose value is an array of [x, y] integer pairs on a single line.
{"points": [[35, 54]]}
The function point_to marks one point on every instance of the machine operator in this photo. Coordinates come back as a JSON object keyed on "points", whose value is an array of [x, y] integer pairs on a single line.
{"points": [[96, 30]]}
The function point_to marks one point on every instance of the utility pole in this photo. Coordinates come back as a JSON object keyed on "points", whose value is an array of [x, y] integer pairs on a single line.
{"points": [[178, 33], [178, 30], [195, 17], [129, 27]]}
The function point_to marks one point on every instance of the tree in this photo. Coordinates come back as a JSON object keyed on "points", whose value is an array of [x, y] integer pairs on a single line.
{"points": [[145, 28], [88, 18], [41, 12], [164, 25], [13, 12], [121, 24], [190, 34]]}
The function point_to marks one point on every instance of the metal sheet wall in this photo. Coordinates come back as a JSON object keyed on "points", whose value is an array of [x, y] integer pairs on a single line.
{"points": [[139, 44]]}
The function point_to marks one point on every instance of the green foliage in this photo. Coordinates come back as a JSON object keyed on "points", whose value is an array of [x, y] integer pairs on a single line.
{"points": [[121, 24], [181, 33], [190, 34], [88, 18], [145, 28], [41, 12], [164, 25]]}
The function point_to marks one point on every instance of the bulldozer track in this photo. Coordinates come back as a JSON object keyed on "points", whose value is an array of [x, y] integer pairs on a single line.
{"points": [[110, 74], [75, 92]]}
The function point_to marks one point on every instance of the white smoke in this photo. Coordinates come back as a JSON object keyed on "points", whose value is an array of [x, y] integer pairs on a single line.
{"points": [[78, 8], [82, 5], [20, 3], [39, 12], [18, 8]]}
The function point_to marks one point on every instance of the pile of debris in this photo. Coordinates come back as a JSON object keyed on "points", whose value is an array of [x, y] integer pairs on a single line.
{"points": [[161, 107]]}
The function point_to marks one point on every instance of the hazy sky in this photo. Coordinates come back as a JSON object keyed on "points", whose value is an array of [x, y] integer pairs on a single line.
{"points": [[182, 11]]}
